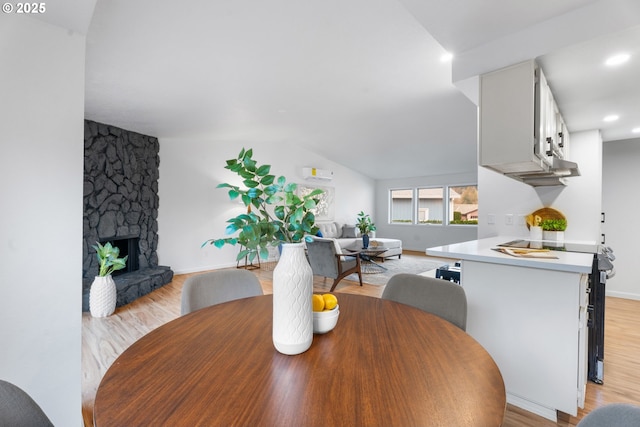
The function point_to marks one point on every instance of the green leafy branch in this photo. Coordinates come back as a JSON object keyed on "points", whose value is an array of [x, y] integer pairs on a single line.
{"points": [[108, 258], [275, 213]]}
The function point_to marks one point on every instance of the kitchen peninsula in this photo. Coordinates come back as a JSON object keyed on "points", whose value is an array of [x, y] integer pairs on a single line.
{"points": [[530, 314]]}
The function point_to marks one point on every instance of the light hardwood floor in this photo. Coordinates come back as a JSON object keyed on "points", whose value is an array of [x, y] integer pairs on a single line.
{"points": [[104, 339]]}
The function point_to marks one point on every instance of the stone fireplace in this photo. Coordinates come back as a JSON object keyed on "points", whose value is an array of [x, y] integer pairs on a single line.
{"points": [[121, 206]]}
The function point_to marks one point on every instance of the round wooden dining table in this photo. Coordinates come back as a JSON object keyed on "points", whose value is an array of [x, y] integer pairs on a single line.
{"points": [[384, 364]]}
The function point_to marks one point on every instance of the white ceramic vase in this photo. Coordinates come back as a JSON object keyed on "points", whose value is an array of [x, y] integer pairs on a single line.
{"points": [[102, 296], [292, 310]]}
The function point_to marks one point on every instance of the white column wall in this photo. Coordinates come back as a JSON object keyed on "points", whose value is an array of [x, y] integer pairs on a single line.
{"points": [[621, 175], [41, 167], [192, 210]]}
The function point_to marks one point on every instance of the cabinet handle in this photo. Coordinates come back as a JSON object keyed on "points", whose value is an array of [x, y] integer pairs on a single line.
{"points": [[550, 150], [561, 136]]}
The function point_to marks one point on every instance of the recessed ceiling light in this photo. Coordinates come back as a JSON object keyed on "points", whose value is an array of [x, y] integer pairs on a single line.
{"points": [[446, 57], [635, 130], [611, 118], [618, 59]]}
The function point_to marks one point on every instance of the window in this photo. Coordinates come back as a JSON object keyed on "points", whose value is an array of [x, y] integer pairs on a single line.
{"points": [[434, 205], [401, 206], [430, 205], [463, 205]]}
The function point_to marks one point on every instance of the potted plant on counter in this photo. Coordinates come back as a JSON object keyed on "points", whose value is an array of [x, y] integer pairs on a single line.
{"points": [[365, 225], [553, 229], [103, 294], [276, 215]]}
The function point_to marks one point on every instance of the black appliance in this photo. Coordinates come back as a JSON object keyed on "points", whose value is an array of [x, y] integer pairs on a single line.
{"points": [[451, 274], [601, 270]]}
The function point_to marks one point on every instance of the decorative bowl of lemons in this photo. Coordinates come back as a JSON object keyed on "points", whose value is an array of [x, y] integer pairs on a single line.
{"points": [[325, 312]]}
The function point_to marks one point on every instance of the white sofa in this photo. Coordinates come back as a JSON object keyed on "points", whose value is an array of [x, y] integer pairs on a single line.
{"points": [[348, 236]]}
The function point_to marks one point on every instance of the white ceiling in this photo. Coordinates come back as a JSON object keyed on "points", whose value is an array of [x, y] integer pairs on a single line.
{"points": [[359, 81]]}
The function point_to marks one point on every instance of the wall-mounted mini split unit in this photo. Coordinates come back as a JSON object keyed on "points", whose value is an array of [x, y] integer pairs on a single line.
{"points": [[317, 174]]}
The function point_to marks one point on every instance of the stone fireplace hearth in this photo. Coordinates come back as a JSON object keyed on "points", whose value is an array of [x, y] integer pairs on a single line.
{"points": [[121, 206]]}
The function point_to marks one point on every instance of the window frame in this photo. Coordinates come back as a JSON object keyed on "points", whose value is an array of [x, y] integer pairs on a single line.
{"points": [[415, 205], [390, 205]]}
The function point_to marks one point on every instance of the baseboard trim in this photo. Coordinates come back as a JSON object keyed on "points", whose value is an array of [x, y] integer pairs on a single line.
{"points": [[527, 405]]}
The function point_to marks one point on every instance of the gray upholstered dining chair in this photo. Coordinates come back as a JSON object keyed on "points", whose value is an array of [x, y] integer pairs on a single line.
{"points": [[17, 408], [440, 297], [326, 260], [217, 287], [612, 415]]}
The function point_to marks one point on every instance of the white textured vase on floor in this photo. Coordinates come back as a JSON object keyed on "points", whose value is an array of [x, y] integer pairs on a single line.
{"points": [[102, 296], [292, 310]]}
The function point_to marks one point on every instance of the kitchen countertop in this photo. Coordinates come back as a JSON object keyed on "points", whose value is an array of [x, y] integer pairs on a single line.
{"points": [[482, 251]]}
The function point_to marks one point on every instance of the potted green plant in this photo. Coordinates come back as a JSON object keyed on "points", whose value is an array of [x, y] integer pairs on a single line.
{"points": [[553, 229], [103, 294], [276, 215], [365, 225]]}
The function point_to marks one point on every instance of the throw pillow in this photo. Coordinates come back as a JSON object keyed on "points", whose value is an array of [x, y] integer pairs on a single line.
{"points": [[349, 231]]}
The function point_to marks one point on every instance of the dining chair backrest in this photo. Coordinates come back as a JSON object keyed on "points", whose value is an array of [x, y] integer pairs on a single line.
{"points": [[216, 287], [440, 297], [17, 408], [612, 415]]}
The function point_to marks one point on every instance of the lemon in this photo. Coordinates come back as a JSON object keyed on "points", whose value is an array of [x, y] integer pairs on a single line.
{"points": [[330, 301], [318, 302]]}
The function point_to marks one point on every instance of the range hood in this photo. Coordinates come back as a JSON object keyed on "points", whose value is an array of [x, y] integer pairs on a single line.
{"points": [[554, 175], [522, 134]]}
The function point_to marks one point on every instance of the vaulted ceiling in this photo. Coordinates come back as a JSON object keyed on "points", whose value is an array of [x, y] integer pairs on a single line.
{"points": [[360, 82]]}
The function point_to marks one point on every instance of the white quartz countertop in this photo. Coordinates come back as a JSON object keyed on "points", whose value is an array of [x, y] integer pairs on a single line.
{"points": [[483, 251]]}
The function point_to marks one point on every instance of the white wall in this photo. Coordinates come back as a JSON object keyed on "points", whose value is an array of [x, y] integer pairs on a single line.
{"points": [[41, 167], [621, 175], [580, 201], [192, 210], [419, 237]]}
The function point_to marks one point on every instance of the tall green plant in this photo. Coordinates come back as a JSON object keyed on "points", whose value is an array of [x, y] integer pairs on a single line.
{"points": [[275, 213], [108, 258]]}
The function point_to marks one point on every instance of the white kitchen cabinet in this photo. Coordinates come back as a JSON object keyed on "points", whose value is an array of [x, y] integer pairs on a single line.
{"points": [[519, 121], [530, 315]]}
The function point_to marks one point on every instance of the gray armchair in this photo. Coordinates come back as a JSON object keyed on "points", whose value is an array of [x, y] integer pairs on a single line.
{"points": [[217, 287], [326, 260], [443, 298], [17, 408]]}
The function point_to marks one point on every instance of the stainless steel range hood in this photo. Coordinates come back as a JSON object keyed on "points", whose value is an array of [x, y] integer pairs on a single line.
{"points": [[554, 175]]}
